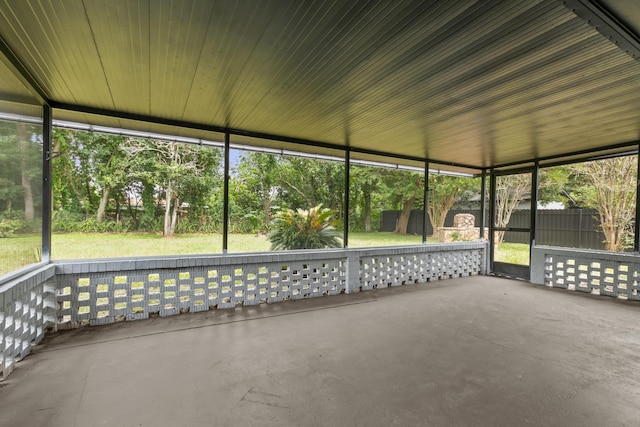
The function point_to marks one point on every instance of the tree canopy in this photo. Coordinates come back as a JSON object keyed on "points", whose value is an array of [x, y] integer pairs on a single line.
{"points": [[117, 183]]}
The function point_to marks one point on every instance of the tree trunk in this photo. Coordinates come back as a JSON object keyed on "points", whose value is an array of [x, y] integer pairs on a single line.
{"points": [[29, 211], [167, 211], [438, 211], [403, 221], [266, 203], [148, 215], [174, 216], [367, 211], [102, 207]]}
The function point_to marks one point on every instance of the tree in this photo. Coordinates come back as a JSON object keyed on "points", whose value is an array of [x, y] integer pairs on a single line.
{"points": [[253, 188], [513, 189], [402, 189], [309, 182], [26, 171], [304, 229], [444, 191], [90, 167], [183, 172], [609, 186], [510, 190], [364, 182], [69, 174], [20, 172]]}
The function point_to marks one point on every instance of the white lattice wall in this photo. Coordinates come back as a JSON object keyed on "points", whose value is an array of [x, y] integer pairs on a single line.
{"points": [[71, 294], [27, 308], [128, 295], [381, 269], [137, 289], [597, 272]]}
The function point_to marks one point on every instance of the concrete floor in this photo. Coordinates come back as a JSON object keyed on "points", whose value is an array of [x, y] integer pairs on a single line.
{"points": [[478, 351]]}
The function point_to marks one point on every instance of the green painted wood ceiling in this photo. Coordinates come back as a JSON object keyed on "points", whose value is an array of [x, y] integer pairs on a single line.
{"points": [[475, 83]]}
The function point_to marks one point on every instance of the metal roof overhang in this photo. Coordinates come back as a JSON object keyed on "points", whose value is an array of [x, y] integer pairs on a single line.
{"points": [[468, 84]]}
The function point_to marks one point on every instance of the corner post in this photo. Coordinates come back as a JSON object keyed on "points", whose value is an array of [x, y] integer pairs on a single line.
{"points": [[492, 216], [425, 203], [636, 235], [47, 188], [345, 215], [483, 204], [225, 208], [534, 207]]}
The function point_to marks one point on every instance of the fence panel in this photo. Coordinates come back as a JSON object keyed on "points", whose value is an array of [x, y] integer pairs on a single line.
{"points": [[573, 228]]}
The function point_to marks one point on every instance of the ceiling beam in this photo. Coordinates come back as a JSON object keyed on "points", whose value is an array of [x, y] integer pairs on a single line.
{"points": [[606, 23], [623, 148], [242, 132], [19, 70], [17, 98]]}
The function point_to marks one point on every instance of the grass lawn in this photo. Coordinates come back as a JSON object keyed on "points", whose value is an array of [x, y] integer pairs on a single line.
{"points": [[18, 251], [97, 245], [513, 253]]}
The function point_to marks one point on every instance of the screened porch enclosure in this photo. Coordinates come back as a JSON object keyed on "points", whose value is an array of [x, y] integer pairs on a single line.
{"points": [[510, 106]]}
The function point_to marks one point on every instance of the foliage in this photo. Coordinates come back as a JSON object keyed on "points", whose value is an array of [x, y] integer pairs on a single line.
{"points": [[513, 189], [14, 222], [402, 189], [183, 173], [261, 182], [444, 192], [190, 225], [510, 190], [609, 186], [304, 229], [131, 183], [253, 191], [365, 199], [64, 221], [114, 183], [20, 173], [9, 226], [70, 222], [309, 182]]}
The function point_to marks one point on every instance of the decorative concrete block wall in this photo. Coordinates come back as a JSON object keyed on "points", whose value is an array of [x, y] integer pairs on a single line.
{"points": [[128, 291], [27, 308], [596, 272], [381, 268], [97, 292]]}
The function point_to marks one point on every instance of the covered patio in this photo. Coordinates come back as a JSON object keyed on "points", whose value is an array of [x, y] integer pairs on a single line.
{"points": [[399, 335], [473, 351]]}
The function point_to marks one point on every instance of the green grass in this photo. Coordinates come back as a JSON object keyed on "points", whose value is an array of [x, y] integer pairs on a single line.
{"points": [[108, 245], [513, 253], [19, 251], [97, 245], [366, 240]]}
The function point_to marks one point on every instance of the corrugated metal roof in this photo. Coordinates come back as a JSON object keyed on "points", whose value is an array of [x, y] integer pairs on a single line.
{"points": [[475, 83]]}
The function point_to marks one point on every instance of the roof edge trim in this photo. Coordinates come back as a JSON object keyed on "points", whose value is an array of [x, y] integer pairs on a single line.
{"points": [[242, 132], [607, 24], [9, 58]]}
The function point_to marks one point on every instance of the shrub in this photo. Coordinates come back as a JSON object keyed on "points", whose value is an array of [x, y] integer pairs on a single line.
{"points": [[69, 222], [304, 229], [66, 221], [190, 226], [9, 226]]}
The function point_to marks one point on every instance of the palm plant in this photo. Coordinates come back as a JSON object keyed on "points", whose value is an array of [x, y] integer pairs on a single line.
{"points": [[304, 229]]}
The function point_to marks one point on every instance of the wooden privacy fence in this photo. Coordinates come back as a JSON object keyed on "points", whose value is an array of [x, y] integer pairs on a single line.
{"points": [[575, 228]]}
